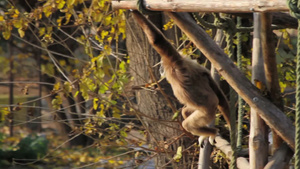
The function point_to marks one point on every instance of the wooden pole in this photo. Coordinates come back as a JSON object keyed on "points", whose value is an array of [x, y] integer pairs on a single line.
{"points": [[258, 137], [270, 66], [228, 6]]}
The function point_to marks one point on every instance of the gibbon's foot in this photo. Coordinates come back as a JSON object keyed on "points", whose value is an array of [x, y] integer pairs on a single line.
{"points": [[211, 140]]}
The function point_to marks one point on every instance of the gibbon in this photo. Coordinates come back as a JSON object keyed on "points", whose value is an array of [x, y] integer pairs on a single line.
{"points": [[191, 83]]}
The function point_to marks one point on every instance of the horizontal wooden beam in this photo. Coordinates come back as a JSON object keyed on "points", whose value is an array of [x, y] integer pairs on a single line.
{"points": [[227, 6]]}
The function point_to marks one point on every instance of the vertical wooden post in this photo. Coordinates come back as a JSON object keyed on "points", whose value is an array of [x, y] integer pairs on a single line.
{"points": [[270, 66], [258, 138]]}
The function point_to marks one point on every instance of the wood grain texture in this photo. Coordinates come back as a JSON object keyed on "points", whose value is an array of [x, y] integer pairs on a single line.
{"points": [[206, 6]]}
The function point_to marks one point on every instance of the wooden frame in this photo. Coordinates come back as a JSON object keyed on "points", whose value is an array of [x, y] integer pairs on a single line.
{"points": [[228, 6]]}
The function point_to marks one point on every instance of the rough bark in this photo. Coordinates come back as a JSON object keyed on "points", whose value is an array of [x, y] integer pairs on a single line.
{"points": [[272, 83], [154, 105], [270, 66], [258, 138]]}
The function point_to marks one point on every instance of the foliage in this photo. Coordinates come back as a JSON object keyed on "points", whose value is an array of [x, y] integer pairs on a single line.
{"points": [[89, 66], [29, 148]]}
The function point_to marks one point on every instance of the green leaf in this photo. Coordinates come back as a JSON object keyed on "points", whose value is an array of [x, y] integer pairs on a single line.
{"points": [[175, 115], [123, 133], [57, 102], [178, 154], [67, 87], [103, 88]]}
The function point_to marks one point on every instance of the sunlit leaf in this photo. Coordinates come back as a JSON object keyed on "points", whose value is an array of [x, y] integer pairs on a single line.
{"points": [[47, 10], [61, 4], [3, 112], [42, 31], [21, 32], [68, 17], [57, 102], [67, 87], [95, 103], [104, 34], [123, 134], [70, 2], [111, 161], [176, 114], [17, 23], [6, 34], [56, 86], [178, 154]]}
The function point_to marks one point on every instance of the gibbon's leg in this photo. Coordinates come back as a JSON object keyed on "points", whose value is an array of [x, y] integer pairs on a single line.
{"points": [[186, 112], [196, 122]]}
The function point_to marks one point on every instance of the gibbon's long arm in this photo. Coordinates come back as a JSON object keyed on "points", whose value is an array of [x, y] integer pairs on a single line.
{"points": [[191, 83], [157, 39]]}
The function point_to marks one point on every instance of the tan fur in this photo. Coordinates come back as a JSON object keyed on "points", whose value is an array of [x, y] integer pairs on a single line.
{"points": [[191, 83]]}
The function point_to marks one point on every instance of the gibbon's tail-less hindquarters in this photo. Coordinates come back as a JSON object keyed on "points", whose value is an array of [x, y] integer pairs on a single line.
{"points": [[191, 83]]}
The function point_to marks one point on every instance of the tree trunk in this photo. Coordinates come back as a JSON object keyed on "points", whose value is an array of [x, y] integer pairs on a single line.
{"points": [[158, 106]]}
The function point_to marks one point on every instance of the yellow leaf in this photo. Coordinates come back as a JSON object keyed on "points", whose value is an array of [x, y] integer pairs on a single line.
{"points": [[104, 34], [56, 86], [61, 4], [178, 154], [6, 34], [49, 29], [47, 11], [16, 13], [42, 31], [3, 112], [1, 18], [62, 63], [70, 2], [67, 87], [111, 161], [59, 21], [68, 17], [76, 93], [17, 23], [21, 32], [107, 20], [95, 103]]}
